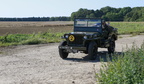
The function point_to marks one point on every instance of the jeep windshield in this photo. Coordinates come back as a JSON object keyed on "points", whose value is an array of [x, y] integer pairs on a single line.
{"points": [[87, 25]]}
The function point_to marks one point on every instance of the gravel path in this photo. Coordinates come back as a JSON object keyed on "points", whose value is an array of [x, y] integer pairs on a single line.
{"points": [[41, 64]]}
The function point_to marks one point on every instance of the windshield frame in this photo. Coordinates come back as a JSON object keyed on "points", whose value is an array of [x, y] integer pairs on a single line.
{"points": [[87, 25]]}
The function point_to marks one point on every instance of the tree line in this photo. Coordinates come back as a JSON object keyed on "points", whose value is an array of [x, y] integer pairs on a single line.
{"points": [[37, 19], [107, 13], [112, 14]]}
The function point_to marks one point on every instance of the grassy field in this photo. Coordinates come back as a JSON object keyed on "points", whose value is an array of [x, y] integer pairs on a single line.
{"points": [[129, 27], [15, 33]]}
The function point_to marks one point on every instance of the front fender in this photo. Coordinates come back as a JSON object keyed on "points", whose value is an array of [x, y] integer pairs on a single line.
{"points": [[87, 41]]}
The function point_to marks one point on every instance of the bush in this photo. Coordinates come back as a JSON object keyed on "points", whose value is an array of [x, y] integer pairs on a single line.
{"points": [[125, 69]]}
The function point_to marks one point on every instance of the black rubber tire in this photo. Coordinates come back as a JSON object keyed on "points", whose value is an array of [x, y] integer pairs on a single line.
{"points": [[92, 50], [111, 48], [62, 52]]}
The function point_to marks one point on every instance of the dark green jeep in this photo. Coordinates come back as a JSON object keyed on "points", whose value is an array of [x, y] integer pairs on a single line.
{"points": [[88, 35]]}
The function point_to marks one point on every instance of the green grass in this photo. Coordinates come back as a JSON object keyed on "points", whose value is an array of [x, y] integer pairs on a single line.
{"points": [[134, 28], [22, 39], [124, 69]]}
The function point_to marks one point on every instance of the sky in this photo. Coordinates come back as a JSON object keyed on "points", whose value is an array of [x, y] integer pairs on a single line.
{"points": [[54, 8]]}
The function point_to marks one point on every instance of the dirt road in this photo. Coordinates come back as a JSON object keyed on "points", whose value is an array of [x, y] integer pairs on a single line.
{"points": [[41, 64]]}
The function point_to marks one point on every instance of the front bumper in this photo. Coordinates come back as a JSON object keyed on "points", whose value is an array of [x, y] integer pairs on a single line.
{"points": [[72, 48]]}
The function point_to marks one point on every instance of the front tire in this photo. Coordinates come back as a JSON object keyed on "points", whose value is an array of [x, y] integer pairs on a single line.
{"points": [[63, 54], [111, 48], [92, 50]]}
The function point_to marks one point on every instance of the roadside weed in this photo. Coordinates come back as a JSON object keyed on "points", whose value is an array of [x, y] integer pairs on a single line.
{"points": [[124, 69]]}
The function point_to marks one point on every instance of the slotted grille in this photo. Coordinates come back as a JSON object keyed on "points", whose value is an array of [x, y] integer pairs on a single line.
{"points": [[78, 40]]}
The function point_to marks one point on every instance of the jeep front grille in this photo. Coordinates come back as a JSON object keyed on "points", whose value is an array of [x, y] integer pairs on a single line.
{"points": [[78, 39]]}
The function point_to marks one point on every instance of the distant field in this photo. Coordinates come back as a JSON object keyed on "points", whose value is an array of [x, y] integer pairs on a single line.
{"points": [[62, 26], [35, 27]]}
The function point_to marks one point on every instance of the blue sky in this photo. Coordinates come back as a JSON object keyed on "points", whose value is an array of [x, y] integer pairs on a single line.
{"points": [[49, 8]]}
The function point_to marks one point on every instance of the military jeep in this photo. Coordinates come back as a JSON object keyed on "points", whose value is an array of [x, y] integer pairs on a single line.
{"points": [[88, 35]]}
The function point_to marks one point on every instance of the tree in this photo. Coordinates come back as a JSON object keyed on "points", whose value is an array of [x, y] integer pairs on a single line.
{"points": [[125, 10], [106, 9], [98, 13], [92, 15], [136, 14]]}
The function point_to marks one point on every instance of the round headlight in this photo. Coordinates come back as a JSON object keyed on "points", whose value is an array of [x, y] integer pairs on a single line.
{"points": [[85, 37], [66, 36]]}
